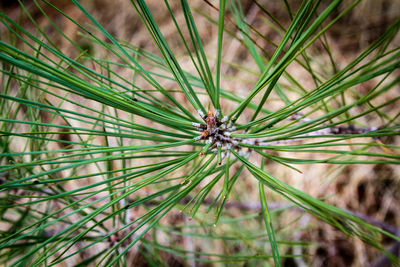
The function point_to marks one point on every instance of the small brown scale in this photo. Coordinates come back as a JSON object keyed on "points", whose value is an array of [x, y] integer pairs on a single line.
{"points": [[217, 132]]}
